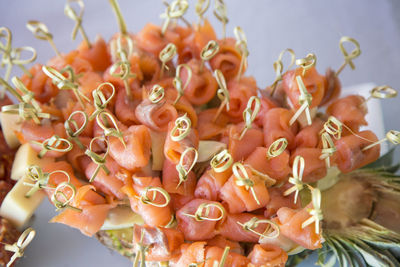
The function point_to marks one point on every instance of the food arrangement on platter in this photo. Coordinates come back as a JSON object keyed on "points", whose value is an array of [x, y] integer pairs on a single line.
{"points": [[161, 146]]}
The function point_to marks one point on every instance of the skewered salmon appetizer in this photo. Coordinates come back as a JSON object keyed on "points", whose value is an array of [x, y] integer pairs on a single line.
{"points": [[165, 131]]}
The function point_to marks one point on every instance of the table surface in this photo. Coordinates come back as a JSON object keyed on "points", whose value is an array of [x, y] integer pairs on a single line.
{"points": [[304, 25]]}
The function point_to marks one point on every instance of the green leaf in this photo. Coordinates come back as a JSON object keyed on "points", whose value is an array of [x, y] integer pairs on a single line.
{"points": [[294, 260], [384, 163]]}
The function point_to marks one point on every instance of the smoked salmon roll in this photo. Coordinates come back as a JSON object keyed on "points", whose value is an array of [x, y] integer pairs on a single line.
{"points": [[150, 39], [136, 151], [310, 136], [227, 59], [333, 87], [40, 84], [156, 116], [199, 218], [350, 154], [290, 223], [158, 212], [97, 55], [202, 85], [163, 243], [276, 125], [268, 255], [313, 81], [239, 94], [349, 110], [314, 168]]}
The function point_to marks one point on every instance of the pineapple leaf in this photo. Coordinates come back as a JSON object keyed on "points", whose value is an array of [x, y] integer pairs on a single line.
{"points": [[294, 260], [384, 163], [364, 244]]}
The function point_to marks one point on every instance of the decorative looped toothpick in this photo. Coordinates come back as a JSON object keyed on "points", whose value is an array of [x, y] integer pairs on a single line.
{"points": [[40, 179], [348, 58], [272, 230], [221, 161], [72, 14], [307, 63], [305, 100], [177, 82], [278, 67], [41, 32], [18, 248], [241, 47], [167, 54], [145, 199], [181, 129], [25, 111], [297, 177], [175, 10], [22, 93], [60, 192], [72, 128], [392, 136], [66, 83], [250, 114], [277, 147], [201, 8], [222, 93], [220, 13], [203, 212], [108, 131], [334, 127], [183, 168], [100, 100], [54, 143], [140, 252], [156, 94], [381, 92], [328, 148], [122, 68], [120, 19], [208, 52], [315, 212], [221, 263], [12, 56], [99, 160], [242, 179]]}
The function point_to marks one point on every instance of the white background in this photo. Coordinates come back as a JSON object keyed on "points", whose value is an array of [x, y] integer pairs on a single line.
{"points": [[270, 25]]}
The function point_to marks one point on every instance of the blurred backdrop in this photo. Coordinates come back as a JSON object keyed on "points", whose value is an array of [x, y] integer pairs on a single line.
{"points": [[303, 25]]}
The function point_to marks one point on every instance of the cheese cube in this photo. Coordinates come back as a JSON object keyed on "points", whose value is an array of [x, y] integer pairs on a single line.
{"points": [[121, 217], [25, 157], [17, 208], [10, 123]]}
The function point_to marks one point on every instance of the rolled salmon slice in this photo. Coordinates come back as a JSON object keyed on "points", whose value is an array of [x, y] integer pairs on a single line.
{"points": [[290, 222], [268, 255], [350, 110], [162, 243], [313, 81], [202, 85], [193, 229], [156, 116], [137, 151], [350, 154], [97, 55], [228, 59]]}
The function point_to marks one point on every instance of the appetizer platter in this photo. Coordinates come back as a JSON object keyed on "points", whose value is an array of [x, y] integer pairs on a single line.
{"points": [[161, 146]]}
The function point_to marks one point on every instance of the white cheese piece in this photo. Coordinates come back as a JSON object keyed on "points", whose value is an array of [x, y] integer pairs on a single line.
{"points": [[10, 123], [121, 217], [207, 149], [17, 208], [25, 157]]}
